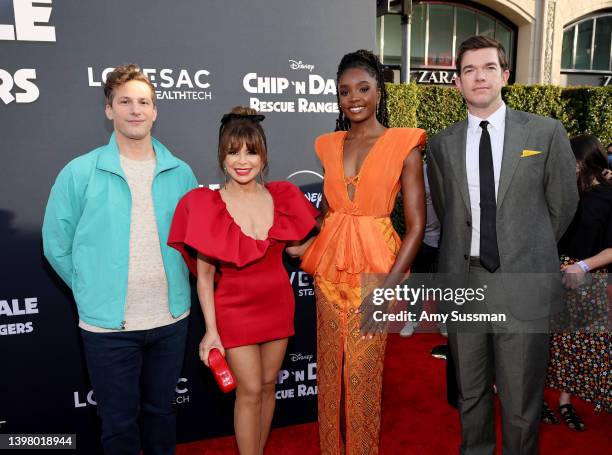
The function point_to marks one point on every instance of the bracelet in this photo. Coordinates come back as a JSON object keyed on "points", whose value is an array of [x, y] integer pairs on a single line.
{"points": [[583, 265]]}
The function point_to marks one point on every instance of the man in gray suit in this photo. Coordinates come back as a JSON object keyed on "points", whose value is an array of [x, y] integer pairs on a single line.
{"points": [[503, 184]]}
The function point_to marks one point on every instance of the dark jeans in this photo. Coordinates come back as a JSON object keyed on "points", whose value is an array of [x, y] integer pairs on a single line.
{"points": [[134, 376]]}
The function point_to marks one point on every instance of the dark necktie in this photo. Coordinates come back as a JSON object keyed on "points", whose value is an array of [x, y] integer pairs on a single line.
{"points": [[489, 254]]}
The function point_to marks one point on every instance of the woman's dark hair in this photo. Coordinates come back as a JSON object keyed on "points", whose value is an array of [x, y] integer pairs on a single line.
{"points": [[241, 126], [370, 63], [592, 161]]}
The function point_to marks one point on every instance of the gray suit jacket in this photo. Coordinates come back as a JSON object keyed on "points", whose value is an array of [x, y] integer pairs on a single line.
{"points": [[536, 201]]}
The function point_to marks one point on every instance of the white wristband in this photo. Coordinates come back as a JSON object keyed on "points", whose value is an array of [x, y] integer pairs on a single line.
{"points": [[583, 265]]}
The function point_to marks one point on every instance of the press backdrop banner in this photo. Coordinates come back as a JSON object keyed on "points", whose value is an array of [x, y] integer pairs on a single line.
{"points": [[204, 57]]}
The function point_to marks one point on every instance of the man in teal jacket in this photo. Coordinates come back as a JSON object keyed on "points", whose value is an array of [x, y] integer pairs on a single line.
{"points": [[104, 233]]}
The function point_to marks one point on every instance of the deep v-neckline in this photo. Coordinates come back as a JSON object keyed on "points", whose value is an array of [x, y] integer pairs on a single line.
{"points": [[354, 180], [240, 227]]}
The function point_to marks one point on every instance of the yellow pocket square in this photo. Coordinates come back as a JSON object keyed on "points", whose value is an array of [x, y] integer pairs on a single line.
{"points": [[529, 153]]}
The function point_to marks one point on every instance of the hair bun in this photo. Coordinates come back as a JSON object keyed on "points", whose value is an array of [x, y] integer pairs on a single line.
{"points": [[241, 110]]}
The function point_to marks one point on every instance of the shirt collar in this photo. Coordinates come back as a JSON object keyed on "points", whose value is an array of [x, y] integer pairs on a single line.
{"points": [[497, 119]]}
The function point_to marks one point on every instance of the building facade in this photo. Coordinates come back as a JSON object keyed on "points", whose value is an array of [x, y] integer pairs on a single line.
{"points": [[561, 42]]}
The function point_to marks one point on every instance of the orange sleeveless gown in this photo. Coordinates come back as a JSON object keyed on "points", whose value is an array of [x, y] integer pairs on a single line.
{"points": [[356, 237]]}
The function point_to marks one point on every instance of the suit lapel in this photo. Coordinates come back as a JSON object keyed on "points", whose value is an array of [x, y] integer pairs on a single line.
{"points": [[455, 146], [515, 137]]}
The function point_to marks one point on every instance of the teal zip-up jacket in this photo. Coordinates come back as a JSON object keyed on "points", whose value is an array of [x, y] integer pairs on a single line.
{"points": [[86, 231]]}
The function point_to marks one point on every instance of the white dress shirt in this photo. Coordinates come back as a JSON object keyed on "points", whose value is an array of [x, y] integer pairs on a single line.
{"points": [[496, 126]]}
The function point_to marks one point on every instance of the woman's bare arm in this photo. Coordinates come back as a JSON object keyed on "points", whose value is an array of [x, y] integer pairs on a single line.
{"points": [[206, 291]]}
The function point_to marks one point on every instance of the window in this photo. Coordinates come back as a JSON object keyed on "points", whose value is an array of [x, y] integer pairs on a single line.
{"points": [[587, 44], [602, 54], [466, 24], [583, 46], [437, 30], [417, 37], [567, 52], [440, 49]]}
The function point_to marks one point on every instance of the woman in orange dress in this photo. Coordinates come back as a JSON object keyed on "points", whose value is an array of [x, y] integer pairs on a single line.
{"points": [[365, 163]]}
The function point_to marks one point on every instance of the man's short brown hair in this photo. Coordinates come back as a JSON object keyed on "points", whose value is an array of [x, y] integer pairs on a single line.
{"points": [[481, 42], [120, 76]]}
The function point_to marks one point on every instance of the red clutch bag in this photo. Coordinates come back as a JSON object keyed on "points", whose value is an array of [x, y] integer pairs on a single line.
{"points": [[223, 375]]}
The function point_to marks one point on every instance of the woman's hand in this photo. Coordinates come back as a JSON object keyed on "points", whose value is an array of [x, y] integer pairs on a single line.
{"points": [[573, 276], [210, 341], [368, 325], [297, 249]]}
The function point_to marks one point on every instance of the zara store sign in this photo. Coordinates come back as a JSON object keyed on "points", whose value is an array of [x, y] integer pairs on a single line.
{"points": [[438, 77]]}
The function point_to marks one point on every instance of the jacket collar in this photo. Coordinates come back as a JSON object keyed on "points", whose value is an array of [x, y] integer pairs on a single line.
{"points": [[515, 137], [108, 160]]}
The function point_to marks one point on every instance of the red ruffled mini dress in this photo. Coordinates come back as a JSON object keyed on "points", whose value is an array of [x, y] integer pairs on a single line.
{"points": [[254, 300]]}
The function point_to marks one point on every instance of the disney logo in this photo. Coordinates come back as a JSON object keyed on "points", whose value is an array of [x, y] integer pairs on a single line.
{"points": [[300, 356], [300, 65]]}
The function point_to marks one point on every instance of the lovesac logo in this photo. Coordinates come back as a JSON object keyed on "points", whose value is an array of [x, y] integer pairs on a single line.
{"points": [[28, 19], [170, 84], [16, 308], [182, 392], [83, 400], [18, 86]]}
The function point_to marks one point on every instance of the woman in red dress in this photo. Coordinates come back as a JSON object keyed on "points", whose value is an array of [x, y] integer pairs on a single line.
{"points": [[238, 235]]}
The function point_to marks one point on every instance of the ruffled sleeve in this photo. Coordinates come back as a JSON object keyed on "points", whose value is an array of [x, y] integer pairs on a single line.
{"points": [[294, 215], [178, 232], [202, 224]]}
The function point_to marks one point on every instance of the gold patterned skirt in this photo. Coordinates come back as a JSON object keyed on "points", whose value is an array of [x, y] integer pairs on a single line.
{"points": [[350, 366]]}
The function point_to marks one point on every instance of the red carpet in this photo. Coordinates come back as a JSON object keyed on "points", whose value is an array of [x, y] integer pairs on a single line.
{"points": [[416, 419]]}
